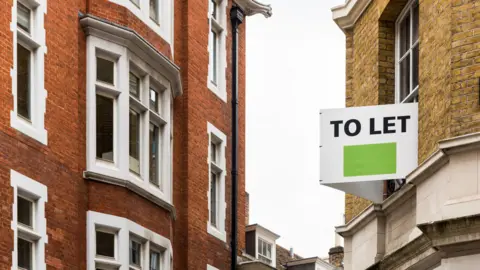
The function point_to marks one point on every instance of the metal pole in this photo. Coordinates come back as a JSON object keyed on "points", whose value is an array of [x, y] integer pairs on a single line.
{"points": [[236, 17]]}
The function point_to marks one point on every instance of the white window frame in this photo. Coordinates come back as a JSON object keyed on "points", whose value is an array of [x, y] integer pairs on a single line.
{"points": [[164, 26], [259, 255], [408, 10], [219, 167], [37, 235], [125, 231], [218, 25], [35, 42], [125, 60]]}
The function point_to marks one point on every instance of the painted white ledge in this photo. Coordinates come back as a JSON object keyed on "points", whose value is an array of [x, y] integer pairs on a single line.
{"points": [[346, 15], [252, 7]]}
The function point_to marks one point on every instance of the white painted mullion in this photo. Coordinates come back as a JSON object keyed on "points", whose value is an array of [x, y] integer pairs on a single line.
{"points": [[121, 132], [145, 149]]}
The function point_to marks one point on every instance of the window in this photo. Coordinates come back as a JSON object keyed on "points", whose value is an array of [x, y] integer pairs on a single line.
{"points": [[264, 250], [154, 10], [118, 243], [129, 131], [216, 192], [28, 222], [28, 83], [217, 49], [156, 14], [407, 54], [135, 253]]}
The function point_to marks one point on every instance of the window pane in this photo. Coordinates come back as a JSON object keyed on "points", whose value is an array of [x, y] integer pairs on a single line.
{"points": [[134, 132], [154, 100], [23, 81], [135, 253], [154, 260], [415, 67], [213, 154], [415, 22], [213, 199], [104, 128], [24, 211], [214, 57], [136, 2], [24, 254], [405, 35], [213, 7], [154, 10], [404, 77], [154, 150], [134, 85], [105, 244], [105, 70], [23, 17]]}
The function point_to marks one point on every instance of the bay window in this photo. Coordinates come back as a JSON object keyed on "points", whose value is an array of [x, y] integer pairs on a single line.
{"points": [[128, 134]]}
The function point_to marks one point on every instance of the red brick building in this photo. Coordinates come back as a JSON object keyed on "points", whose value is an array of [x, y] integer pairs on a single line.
{"points": [[115, 133]]}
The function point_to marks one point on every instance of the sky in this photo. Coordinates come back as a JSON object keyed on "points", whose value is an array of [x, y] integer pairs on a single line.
{"points": [[295, 67]]}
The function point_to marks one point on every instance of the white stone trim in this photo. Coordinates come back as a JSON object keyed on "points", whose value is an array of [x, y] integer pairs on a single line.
{"points": [[221, 141], [220, 89], [123, 228], [346, 15], [164, 27], [119, 169], [37, 192], [209, 267], [252, 7], [38, 94]]}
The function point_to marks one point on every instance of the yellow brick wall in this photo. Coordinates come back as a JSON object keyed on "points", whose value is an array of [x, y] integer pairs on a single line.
{"points": [[449, 69]]}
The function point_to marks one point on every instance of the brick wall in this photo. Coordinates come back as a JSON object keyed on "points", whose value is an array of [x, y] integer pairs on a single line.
{"points": [[448, 75], [60, 164]]}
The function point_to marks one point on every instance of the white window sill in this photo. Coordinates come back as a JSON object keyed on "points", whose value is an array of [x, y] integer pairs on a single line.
{"points": [[217, 91], [142, 188], [221, 235], [27, 128]]}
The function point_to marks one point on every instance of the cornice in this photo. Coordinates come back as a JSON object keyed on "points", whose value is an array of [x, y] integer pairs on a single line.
{"points": [[252, 7], [346, 15], [358, 222], [127, 37]]}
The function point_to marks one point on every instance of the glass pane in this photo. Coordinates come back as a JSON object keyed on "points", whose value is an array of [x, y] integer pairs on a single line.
{"points": [[105, 244], [23, 81], [24, 254], [136, 2], [24, 211], [154, 100], [213, 8], [415, 23], [135, 253], [405, 35], [23, 17], [134, 143], [415, 67], [213, 199], [154, 260], [104, 128], [154, 150], [105, 70], [213, 154], [214, 57], [134, 83], [154, 10], [404, 77], [269, 251]]}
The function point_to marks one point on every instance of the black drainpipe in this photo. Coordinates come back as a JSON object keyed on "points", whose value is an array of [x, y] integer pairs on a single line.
{"points": [[236, 17]]}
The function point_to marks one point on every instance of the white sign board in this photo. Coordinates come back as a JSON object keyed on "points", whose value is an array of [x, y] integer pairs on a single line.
{"points": [[359, 145]]}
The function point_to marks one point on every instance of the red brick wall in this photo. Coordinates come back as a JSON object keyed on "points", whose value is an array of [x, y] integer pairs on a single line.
{"points": [[60, 164]]}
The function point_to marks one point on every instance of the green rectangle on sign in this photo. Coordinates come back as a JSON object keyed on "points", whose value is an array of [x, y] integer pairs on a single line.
{"points": [[369, 159]]}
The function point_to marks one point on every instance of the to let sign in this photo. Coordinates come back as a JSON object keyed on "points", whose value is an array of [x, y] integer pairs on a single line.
{"points": [[364, 144]]}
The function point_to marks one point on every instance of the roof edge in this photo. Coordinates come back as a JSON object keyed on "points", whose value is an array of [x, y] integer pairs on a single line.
{"points": [[346, 15]]}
